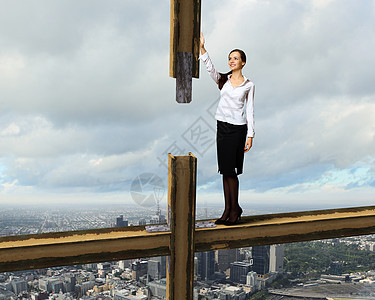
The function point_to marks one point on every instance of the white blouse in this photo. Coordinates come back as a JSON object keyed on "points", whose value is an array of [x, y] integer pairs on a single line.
{"points": [[236, 105]]}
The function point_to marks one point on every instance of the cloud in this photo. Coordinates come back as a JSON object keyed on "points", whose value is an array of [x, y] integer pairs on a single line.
{"points": [[80, 68]]}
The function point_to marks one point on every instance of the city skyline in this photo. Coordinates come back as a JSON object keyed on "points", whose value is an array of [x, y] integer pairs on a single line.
{"points": [[230, 272]]}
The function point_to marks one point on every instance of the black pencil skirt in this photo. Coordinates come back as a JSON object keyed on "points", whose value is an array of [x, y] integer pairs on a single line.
{"points": [[230, 141]]}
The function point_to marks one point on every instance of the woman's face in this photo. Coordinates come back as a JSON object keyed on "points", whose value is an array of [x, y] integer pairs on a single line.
{"points": [[235, 62]]}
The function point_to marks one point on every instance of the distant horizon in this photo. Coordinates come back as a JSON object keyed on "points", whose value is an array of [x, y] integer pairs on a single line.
{"points": [[248, 206]]}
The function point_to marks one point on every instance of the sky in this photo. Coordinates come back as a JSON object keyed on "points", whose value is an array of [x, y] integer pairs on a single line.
{"points": [[88, 111]]}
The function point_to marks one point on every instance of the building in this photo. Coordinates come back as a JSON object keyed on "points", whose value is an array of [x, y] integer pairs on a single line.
{"points": [[120, 295], [18, 285], [142, 222], [252, 280], [6, 286], [260, 260], [45, 285], [153, 269], [158, 218], [123, 264], [276, 258], [57, 285], [206, 265], [69, 283], [239, 271], [233, 293], [81, 289], [6, 294], [139, 268], [120, 222], [225, 257], [156, 268], [158, 288], [163, 266], [104, 266]]}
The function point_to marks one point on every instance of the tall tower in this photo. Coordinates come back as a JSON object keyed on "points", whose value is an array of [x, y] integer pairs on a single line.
{"points": [[261, 259], [206, 265], [225, 257], [120, 221], [276, 258]]}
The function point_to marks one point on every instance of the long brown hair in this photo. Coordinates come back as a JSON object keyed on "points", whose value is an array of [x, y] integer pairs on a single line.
{"points": [[224, 76]]}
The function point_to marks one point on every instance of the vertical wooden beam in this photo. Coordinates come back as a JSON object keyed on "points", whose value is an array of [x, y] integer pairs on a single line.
{"points": [[182, 173], [184, 45]]}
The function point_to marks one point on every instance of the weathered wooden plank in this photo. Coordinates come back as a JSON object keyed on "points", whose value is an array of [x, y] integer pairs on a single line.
{"points": [[79, 247], [185, 23], [184, 46], [181, 205], [287, 229]]}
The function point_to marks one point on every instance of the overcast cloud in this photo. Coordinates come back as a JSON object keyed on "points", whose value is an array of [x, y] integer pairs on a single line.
{"points": [[86, 103]]}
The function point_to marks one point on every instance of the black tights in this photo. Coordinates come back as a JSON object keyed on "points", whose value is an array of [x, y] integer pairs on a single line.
{"points": [[232, 208]]}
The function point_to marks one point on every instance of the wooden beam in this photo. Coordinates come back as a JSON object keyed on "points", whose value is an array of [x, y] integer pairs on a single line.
{"points": [[184, 46], [181, 219], [44, 250], [185, 30], [79, 247], [287, 228]]}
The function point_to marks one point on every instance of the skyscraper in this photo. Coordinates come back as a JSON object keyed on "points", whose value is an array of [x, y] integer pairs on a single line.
{"points": [[206, 265], [261, 259], [251, 280], [120, 221], [157, 267], [276, 258], [225, 257], [239, 271]]}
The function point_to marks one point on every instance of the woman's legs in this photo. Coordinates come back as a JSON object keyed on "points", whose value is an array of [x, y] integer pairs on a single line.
{"points": [[227, 199], [232, 185], [232, 209]]}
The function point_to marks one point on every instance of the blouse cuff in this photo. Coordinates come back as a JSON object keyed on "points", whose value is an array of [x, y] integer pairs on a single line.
{"points": [[204, 56]]}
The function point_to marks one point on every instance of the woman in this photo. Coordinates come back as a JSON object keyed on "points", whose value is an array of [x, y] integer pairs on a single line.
{"points": [[235, 126]]}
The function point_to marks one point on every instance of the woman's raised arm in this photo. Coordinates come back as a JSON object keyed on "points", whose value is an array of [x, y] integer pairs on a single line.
{"points": [[215, 75]]}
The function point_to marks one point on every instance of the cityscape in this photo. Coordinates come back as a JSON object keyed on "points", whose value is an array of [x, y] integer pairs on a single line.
{"points": [[261, 272]]}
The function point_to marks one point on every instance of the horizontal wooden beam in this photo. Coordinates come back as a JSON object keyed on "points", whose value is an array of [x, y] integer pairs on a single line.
{"points": [[288, 228], [80, 247]]}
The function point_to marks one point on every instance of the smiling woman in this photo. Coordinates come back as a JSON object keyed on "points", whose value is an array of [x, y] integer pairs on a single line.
{"points": [[235, 126]]}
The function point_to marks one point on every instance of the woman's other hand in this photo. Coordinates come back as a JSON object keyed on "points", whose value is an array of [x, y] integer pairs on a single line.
{"points": [[249, 144], [203, 51]]}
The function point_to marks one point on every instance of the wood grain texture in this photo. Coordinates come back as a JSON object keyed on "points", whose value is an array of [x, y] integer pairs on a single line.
{"points": [[185, 24]]}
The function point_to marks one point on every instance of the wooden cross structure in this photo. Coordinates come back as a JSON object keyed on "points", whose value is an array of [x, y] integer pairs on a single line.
{"points": [[183, 238], [184, 46]]}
